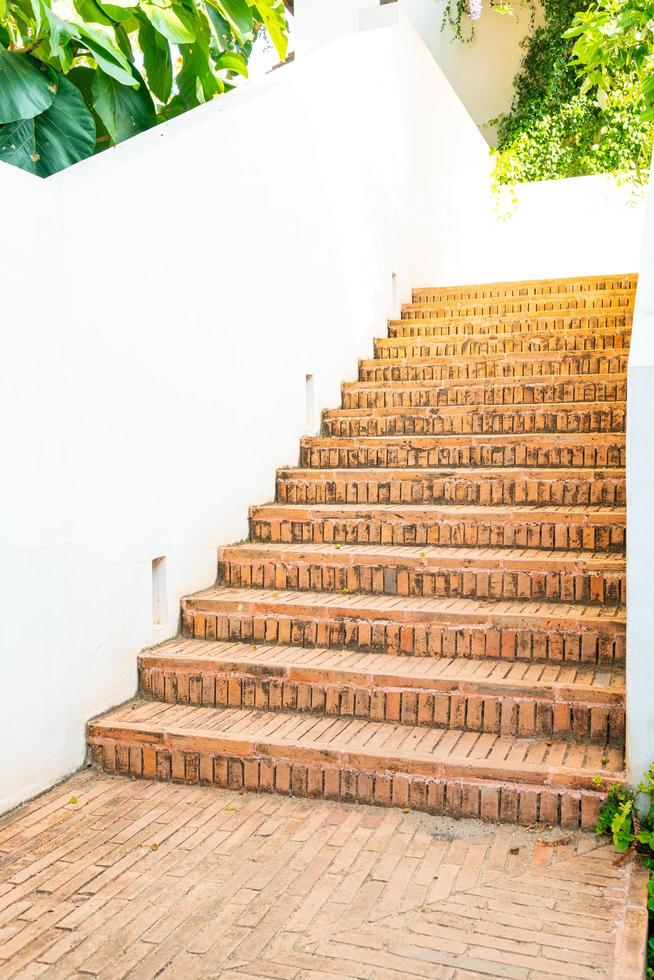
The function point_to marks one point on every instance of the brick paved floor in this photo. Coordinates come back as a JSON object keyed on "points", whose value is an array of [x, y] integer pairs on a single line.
{"points": [[108, 877]]}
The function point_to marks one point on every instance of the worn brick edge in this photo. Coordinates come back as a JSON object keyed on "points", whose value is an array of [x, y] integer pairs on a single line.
{"points": [[456, 797], [633, 928]]}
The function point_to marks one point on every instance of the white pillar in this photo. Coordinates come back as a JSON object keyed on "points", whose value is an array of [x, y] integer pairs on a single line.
{"points": [[640, 516]]}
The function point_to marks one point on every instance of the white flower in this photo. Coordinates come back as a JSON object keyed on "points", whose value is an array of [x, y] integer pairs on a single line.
{"points": [[475, 8]]}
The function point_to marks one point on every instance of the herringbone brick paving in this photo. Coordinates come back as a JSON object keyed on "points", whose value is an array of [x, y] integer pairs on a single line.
{"points": [[114, 878], [432, 612]]}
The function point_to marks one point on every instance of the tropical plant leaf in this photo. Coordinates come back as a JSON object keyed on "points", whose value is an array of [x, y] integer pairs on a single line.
{"points": [[273, 14], [61, 135], [25, 90], [232, 61], [124, 111], [239, 14], [157, 60], [108, 55], [175, 23], [221, 32], [57, 43]]}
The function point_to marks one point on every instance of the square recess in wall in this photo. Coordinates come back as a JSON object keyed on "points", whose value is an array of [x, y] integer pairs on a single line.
{"points": [[159, 592]]}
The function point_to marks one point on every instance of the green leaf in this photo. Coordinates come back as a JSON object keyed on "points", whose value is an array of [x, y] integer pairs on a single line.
{"points": [[221, 32], [157, 60], [53, 140], [56, 46], [124, 111], [232, 61], [196, 82], [239, 14], [108, 56], [622, 827], [176, 24], [273, 14], [25, 91]]}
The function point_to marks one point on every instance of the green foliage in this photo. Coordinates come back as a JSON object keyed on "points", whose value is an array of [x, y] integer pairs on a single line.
{"points": [[460, 16], [614, 38], [629, 817], [70, 86], [556, 126]]}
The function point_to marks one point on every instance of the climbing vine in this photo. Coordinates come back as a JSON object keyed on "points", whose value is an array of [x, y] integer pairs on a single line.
{"points": [[556, 127], [558, 124], [461, 16]]}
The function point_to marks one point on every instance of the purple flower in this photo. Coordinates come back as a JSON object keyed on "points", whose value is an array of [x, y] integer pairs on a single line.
{"points": [[475, 8]]}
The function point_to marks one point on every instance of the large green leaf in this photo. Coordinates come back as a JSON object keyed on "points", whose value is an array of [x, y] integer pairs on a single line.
{"points": [[157, 60], [196, 81], [25, 90], [273, 14], [109, 57], [56, 46], [232, 61], [239, 14], [175, 23], [53, 140], [124, 111], [221, 33]]}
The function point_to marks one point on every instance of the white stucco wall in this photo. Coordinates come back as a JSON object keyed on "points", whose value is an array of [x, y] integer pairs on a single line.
{"points": [[164, 303], [481, 71]]}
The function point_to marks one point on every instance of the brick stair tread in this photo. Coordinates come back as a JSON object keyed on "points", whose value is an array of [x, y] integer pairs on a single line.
{"points": [[553, 286], [502, 357], [560, 295], [519, 512], [466, 439], [363, 745], [566, 682], [408, 609], [464, 326], [389, 475], [530, 308], [429, 556], [525, 381], [429, 411], [533, 337]]}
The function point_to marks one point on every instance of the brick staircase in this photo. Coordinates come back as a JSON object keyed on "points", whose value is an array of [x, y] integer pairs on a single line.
{"points": [[431, 614]]}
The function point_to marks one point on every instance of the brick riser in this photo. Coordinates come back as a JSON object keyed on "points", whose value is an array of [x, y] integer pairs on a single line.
{"points": [[550, 531], [541, 288], [611, 340], [406, 578], [466, 367], [491, 421], [485, 800], [341, 628], [431, 614], [505, 713], [606, 451], [541, 488], [364, 395]]}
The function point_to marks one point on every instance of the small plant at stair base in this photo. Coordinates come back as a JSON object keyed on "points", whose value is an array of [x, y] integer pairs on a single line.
{"points": [[628, 816]]}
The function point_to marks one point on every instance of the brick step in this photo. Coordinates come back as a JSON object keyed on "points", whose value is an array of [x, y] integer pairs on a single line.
{"points": [[484, 487], [477, 420], [563, 528], [542, 343], [552, 449], [549, 390], [497, 777], [529, 364], [403, 570], [529, 287], [572, 702], [423, 320], [430, 627]]}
